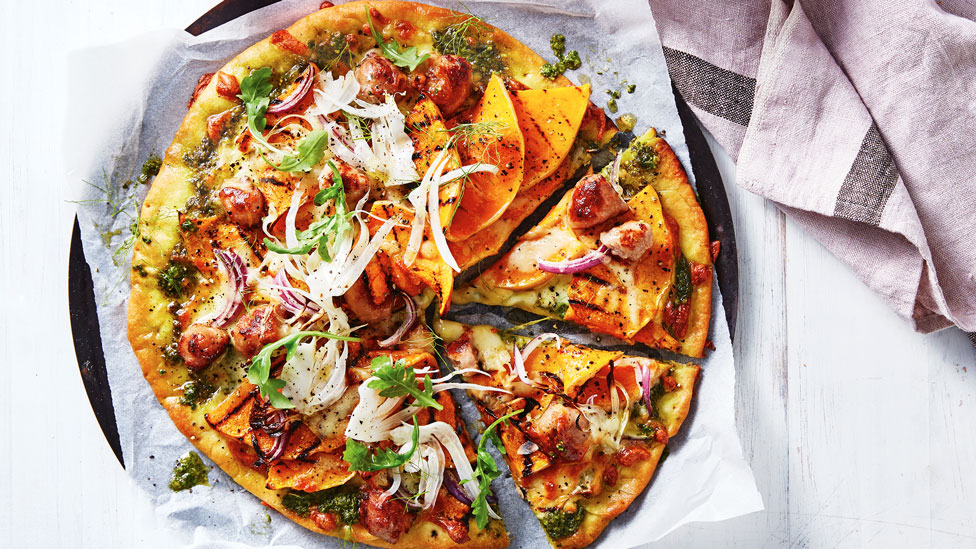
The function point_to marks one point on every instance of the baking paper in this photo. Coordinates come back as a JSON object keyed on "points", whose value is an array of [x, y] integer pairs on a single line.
{"points": [[127, 101]]}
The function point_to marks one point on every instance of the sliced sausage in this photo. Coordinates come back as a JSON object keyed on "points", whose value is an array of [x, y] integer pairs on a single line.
{"points": [[255, 329], [355, 182], [594, 201], [379, 77], [630, 240], [560, 430], [447, 82], [360, 302], [385, 517], [201, 344], [243, 201]]}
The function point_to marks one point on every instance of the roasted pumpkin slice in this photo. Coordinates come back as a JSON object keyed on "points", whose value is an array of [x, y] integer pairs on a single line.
{"points": [[574, 365], [428, 269], [430, 136], [549, 119], [326, 471], [487, 195]]}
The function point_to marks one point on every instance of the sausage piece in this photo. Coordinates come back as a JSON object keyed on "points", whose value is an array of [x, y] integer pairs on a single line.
{"points": [[360, 302], [560, 430], [594, 201], [379, 77], [385, 517], [630, 240], [201, 344], [355, 182], [244, 203], [255, 329], [447, 82]]}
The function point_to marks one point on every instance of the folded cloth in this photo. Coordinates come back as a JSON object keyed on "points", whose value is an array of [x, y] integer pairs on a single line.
{"points": [[857, 118]]}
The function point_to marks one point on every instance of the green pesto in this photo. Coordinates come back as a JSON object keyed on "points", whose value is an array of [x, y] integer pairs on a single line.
{"points": [[342, 501], [632, 88], [175, 279], [550, 71], [202, 157], [682, 281], [559, 524], [612, 106], [572, 61], [330, 52], [555, 301], [201, 203], [565, 60], [196, 392], [171, 353], [188, 226], [645, 158], [468, 39], [150, 168], [558, 44], [189, 472]]}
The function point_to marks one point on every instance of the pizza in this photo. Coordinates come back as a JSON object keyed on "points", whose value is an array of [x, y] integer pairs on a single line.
{"points": [[586, 427], [326, 192]]}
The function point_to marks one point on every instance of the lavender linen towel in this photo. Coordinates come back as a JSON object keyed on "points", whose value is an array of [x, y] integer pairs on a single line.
{"points": [[858, 119]]}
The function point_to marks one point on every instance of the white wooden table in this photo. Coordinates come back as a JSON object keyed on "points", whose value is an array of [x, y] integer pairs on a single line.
{"points": [[860, 432]]}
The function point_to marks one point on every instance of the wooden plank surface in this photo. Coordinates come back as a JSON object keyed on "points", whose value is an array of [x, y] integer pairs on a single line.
{"points": [[860, 432]]}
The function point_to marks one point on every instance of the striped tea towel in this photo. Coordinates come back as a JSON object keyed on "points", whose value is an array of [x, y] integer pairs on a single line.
{"points": [[858, 119]]}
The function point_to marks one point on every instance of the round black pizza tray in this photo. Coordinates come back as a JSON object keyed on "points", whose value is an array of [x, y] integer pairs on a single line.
{"points": [[81, 295]]}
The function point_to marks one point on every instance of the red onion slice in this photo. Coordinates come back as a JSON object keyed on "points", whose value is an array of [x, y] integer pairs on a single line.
{"points": [[278, 450], [646, 389], [293, 302], [590, 260], [408, 322], [236, 271], [299, 93], [454, 488]]}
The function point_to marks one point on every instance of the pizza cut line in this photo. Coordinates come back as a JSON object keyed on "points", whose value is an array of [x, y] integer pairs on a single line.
{"points": [[324, 191]]}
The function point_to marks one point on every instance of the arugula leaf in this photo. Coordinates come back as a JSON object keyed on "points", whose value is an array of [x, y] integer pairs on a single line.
{"points": [[486, 471], [359, 458], [320, 232], [310, 151], [256, 95], [406, 58], [395, 379], [260, 371]]}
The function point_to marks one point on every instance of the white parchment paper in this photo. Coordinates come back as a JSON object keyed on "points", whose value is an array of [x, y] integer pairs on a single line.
{"points": [[127, 101]]}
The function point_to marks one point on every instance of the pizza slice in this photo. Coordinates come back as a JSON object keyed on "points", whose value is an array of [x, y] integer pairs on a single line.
{"points": [[625, 253], [584, 428]]}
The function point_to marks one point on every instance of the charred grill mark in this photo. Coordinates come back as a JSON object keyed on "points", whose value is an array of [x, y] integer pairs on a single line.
{"points": [[595, 279], [234, 410], [587, 305]]}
